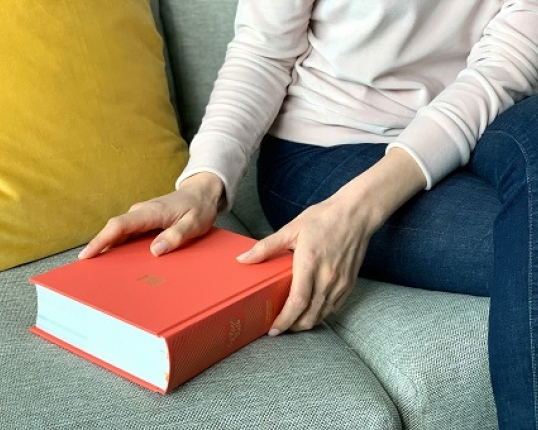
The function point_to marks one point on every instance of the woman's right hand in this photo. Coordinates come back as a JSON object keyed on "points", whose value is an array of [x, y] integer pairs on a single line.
{"points": [[183, 214]]}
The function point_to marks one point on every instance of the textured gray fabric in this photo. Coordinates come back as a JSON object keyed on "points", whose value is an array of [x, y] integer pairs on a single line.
{"points": [[303, 381], [197, 33], [429, 349], [247, 206], [230, 222]]}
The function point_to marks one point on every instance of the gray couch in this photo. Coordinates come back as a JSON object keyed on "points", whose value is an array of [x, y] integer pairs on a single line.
{"points": [[393, 357]]}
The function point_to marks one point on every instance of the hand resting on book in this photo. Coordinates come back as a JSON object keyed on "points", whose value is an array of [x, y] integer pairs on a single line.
{"points": [[183, 214]]}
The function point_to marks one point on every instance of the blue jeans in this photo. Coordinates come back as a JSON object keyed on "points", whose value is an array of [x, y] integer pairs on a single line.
{"points": [[475, 232]]}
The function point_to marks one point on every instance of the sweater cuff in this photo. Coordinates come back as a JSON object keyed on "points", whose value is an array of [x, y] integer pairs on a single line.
{"points": [[222, 159], [438, 150]]}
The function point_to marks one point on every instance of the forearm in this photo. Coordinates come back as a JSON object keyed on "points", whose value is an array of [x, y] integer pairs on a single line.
{"points": [[381, 190], [250, 88]]}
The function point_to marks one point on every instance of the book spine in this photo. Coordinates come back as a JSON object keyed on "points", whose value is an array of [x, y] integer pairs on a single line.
{"points": [[212, 337]]}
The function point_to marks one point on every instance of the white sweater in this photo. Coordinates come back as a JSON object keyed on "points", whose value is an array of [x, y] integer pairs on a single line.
{"points": [[426, 76]]}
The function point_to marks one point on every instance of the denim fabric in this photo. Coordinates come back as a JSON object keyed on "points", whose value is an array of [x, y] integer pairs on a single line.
{"points": [[472, 233]]}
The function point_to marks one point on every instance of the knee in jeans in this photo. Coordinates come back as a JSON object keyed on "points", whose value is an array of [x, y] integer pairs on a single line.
{"points": [[520, 122], [507, 153]]}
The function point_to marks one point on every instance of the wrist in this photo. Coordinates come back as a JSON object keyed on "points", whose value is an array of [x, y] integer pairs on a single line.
{"points": [[386, 186], [207, 183]]}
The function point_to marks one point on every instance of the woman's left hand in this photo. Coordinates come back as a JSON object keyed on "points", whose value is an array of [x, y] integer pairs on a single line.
{"points": [[330, 239]]}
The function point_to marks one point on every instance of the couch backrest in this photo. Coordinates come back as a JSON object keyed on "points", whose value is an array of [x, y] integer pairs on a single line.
{"points": [[197, 33]]}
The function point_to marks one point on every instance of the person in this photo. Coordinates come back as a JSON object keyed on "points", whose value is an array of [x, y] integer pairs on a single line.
{"points": [[398, 140]]}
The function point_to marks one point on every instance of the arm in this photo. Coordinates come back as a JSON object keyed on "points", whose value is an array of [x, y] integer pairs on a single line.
{"points": [[330, 239], [270, 35], [250, 89], [502, 69]]}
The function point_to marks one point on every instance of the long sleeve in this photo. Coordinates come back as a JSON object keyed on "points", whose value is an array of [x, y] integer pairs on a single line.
{"points": [[502, 69], [269, 37]]}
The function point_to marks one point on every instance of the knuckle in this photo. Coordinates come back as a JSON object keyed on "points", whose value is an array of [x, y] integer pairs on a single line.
{"points": [[331, 276], [269, 241], [305, 323], [311, 255], [174, 235], [337, 305], [345, 285], [156, 206], [299, 301], [261, 245], [115, 225], [135, 207]]}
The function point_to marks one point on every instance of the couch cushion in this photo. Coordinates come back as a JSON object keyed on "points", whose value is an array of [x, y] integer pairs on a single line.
{"points": [[428, 349], [87, 123], [308, 380]]}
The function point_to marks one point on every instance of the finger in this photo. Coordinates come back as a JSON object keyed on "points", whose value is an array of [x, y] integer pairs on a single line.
{"points": [[299, 298], [332, 305], [266, 248], [325, 290], [329, 287], [118, 229], [136, 206], [340, 301], [326, 308], [187, 227], [312, 316], [338, 296]]}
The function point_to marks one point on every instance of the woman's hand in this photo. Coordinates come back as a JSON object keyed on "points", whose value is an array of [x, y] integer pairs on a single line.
{"points": [[183, 214], [330, 239], [329, 242]]}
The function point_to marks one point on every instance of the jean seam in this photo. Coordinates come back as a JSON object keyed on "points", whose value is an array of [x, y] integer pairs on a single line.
{"points": [[309, 200], [530, 256], [277, 195]]}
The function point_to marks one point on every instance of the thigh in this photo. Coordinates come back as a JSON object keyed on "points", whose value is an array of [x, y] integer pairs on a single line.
{"points": [[445, 238], [293, 176], [442, 239]]}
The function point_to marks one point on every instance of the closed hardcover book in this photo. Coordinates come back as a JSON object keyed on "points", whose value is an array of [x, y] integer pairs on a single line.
{"points": [[161, 321]]}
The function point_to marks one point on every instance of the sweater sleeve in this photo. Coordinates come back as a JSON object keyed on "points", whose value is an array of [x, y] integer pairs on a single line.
{"points": [[502, 69], [269, 37]]}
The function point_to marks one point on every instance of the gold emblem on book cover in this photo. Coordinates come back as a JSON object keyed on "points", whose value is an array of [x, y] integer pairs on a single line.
{"points": [[151, 280]]}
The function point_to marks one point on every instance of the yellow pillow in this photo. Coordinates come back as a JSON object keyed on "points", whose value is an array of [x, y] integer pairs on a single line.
{"points": [[86, 124]]}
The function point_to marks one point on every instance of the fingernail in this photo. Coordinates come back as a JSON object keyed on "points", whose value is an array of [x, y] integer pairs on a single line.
{"points": [[274, 332], [244, 256], [82, 254], [159, 248]]}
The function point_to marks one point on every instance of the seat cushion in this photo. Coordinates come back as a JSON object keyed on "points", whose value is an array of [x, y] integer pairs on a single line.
{"points": [[87, 124], [307, 380], [428, 349]]}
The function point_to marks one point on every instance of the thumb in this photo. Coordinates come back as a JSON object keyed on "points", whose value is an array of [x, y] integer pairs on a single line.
{"points": [[265, 249]]}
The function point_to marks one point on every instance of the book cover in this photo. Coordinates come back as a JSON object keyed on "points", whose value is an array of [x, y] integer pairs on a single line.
{"points": [[160, 321]]}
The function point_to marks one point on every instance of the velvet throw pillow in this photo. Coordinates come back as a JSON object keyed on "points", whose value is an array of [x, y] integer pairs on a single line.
{"points": [[86, 124]]}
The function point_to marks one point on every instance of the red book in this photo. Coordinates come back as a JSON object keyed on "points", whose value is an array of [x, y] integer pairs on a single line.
{"points": [[161, 321]]}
